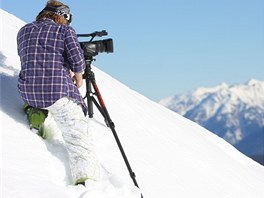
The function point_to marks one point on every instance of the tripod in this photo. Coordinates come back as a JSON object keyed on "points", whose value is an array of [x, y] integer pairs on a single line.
{"points": [[91, 83]]}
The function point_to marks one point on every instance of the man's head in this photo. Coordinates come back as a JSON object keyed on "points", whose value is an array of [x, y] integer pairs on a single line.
{"points": [[56, 11]]}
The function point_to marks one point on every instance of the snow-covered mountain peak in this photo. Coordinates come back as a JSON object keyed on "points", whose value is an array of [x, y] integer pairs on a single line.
{"points": [[254, 82], [250, 93], [205, 90], [232, 112]]}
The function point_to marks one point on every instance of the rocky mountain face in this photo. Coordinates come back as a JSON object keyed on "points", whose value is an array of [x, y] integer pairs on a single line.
{"points": [[235, 113]]}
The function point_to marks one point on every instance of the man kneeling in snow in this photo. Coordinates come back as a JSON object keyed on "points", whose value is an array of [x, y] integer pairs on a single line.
{"points": [[49, 50]]}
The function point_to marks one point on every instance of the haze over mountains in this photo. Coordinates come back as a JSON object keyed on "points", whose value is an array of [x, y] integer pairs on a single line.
{"points": [[235, 113]]}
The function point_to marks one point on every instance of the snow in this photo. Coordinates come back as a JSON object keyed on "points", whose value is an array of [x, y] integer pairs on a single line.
{"points": [[171, 155], [232, 112]]}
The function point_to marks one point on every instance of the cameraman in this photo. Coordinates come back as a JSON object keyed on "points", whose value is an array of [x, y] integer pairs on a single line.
{"points": [[49, 50]]}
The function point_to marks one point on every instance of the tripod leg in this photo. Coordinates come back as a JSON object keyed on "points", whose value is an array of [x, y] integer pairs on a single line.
{"points": [[112, 127], [90, 102]]}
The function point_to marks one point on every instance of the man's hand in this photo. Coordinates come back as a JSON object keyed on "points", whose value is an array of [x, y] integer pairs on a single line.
{"points": [[78, 79]]}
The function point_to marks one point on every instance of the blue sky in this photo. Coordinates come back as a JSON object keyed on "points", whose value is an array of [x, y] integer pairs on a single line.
{"points": [[167, 47]]}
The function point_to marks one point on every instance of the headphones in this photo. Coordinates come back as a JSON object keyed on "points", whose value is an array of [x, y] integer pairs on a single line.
{"points": [[61, 10]]}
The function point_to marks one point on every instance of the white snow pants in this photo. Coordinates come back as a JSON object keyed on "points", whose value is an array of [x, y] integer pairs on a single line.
{"points": [[69, 117]]}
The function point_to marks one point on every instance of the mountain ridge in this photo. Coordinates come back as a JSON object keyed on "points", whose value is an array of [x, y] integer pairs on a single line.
{"points": [[232, 112]]}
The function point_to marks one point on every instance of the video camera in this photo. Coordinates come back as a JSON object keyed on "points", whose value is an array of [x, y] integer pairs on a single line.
{"points": [[92, 48]]}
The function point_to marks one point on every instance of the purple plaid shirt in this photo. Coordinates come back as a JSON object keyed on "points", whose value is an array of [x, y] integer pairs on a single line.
{"points": [[47, 52]]}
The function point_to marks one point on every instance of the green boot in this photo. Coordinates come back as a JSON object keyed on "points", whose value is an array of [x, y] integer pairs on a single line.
{"points": [[36, 118], [81, 181]]}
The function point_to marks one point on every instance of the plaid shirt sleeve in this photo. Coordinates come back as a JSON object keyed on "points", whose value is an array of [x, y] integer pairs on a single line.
{"points": [[74, 51]]}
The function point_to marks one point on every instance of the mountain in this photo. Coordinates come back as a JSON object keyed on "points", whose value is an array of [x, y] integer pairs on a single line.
{"points": [[171, 155], [235, 113]]}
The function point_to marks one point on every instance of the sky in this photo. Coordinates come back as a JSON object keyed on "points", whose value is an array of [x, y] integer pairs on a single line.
{"points": [[163, 48]]}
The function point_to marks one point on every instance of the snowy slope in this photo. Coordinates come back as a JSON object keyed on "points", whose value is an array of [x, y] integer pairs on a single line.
{"points": [[234, 112], [171, 155]]}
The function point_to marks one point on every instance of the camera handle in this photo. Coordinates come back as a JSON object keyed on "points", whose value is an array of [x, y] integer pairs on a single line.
{"points": [[91, 83]]}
